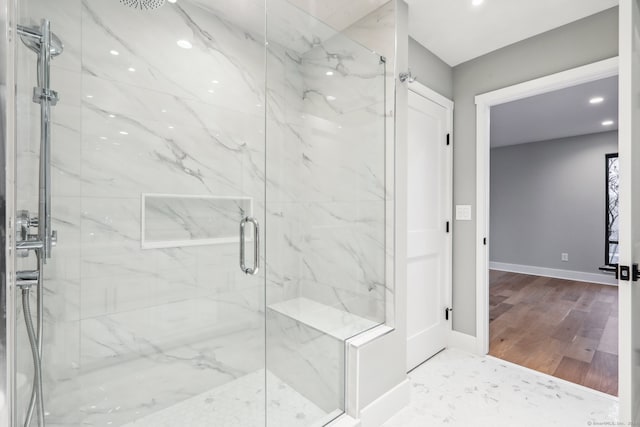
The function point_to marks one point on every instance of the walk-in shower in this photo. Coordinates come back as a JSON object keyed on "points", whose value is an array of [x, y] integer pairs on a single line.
{"points": [[46, 45], [218, 174]]}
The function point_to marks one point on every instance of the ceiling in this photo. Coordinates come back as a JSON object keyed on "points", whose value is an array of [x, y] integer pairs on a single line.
{"points": [[456, 31], [339, 14], [558, 114]]}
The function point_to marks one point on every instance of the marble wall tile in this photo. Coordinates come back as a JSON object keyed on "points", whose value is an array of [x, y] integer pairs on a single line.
{"points": [[219, 49], [65, 23], [105, 395], [284, 251], [157, 118], [310, 361]]}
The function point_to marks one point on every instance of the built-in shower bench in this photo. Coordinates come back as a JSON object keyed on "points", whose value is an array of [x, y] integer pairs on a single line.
{"points": [[306, 348], [329, 320]]}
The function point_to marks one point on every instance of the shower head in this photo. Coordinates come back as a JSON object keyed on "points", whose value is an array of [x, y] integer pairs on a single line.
{"points": [[143, 4], [32, 38]]}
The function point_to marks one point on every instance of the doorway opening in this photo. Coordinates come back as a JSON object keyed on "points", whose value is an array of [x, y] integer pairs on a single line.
{"points": [[548, 299]]}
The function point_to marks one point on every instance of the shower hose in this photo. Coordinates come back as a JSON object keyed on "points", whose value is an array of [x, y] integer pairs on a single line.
{"points": [[36, 349]]}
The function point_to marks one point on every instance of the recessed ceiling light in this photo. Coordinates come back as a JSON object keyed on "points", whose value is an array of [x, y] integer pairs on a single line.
{"points": [[329, 73], [596, 100], [185, 44], [477, 2], [607, 123], [114, 52], [331, 98], [133, 70]]}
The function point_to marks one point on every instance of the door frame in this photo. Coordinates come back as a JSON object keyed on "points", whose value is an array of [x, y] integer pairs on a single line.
{"points": [[484, 102], [433, 96], [629, 397]]}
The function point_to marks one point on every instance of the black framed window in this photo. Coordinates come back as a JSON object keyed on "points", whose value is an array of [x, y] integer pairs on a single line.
{"points": [[612, 193]]}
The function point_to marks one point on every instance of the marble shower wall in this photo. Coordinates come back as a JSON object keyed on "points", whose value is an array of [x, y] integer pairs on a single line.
{"points": [[138, 114], [326, 192], [343, 204], [326, 183], [156, 118]]}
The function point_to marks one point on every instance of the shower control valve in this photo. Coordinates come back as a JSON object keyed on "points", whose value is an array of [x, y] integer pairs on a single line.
{"points": [[24, 222], [26, 241]]}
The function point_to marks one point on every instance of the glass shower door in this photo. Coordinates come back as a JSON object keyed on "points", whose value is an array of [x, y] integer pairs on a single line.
{"points": [[158, 155], [221, 234], [326, 203]]}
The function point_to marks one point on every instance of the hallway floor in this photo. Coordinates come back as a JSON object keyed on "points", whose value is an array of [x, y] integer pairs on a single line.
{"points": [[456, 388], [563, 328]]}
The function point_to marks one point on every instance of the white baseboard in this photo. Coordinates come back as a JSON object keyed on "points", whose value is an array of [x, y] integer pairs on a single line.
{"points": [[345, 421], [379, 411], [462, 341], [601, 278]]}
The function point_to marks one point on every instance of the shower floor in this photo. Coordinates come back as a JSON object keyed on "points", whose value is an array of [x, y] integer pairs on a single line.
{"points": [[241, 403], [186, 386]]}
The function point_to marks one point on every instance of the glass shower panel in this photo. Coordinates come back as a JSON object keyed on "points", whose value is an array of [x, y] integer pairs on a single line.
{"points": [[158, 150], [325, 209]]}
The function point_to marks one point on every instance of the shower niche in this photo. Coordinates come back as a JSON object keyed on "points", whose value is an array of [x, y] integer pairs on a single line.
{"points": [[175, 124]]}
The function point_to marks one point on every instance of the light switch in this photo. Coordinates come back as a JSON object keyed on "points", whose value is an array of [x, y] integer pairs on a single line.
{"points": [[463, 212]]}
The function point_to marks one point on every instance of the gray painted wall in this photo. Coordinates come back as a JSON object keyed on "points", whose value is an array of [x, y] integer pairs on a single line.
{"points": [[430, 70], [548, 198], [582, 42]]}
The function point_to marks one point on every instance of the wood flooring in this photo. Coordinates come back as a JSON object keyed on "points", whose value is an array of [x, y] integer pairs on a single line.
{"points": [[563, 328]]}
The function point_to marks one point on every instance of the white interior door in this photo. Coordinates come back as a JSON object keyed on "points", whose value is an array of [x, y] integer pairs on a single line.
{"points": [[429, 226], [629, 150]]}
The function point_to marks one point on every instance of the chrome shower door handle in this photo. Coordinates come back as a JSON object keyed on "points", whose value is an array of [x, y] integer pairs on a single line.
{"points": [[256, 246]]}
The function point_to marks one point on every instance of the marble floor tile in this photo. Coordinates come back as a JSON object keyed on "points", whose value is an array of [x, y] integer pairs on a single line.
{"points": [[241, 403], [456, 388]]}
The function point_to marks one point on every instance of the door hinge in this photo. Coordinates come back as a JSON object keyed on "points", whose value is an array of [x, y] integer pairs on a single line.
{"points": [[623, 272], [447, 226], [448, 138], [447, 311]]}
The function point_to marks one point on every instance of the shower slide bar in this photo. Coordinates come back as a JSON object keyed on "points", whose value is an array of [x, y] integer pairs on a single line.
{"points": [[46, 45]]}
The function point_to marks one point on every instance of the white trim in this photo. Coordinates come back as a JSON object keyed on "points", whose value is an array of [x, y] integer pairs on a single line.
{"points": [[580, 276], [463, 342], [484, 102], [353, 347], [628, 388], [386, 406], [345, 421], [564, 79], [431, 94]]}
